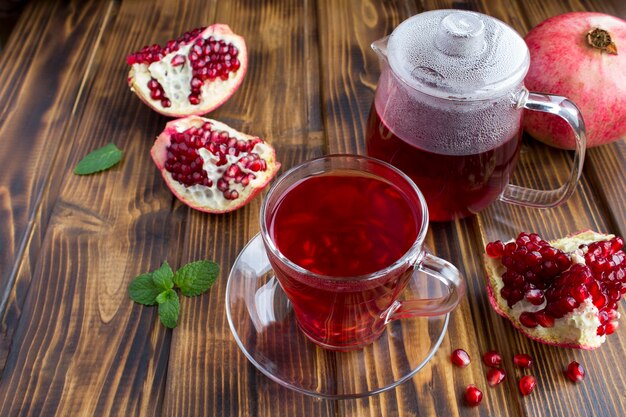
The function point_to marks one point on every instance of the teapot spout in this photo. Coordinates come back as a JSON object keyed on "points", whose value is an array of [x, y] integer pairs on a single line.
{"points": [[380, 47]]}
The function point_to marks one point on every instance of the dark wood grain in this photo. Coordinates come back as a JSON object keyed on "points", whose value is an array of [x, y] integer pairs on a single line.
{"points": [[73, 344], [279, 100], [80, 347]]}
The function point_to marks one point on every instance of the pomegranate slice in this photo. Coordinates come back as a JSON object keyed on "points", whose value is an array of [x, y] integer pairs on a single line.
{"points": [[211, 167], [581, 278], [191, 75]]}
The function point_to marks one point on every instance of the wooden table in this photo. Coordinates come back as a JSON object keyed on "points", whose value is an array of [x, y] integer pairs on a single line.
{"points": [[73, 344]]}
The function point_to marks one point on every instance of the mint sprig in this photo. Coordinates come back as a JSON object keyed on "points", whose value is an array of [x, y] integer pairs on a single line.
{"points": [[196, 277], [99, 160], [159, 287]]}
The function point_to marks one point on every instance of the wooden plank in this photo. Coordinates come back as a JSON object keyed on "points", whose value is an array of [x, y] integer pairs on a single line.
{"points": [[279, 100], [86, 348], [543, 167], [474, 325], [34, 135]]}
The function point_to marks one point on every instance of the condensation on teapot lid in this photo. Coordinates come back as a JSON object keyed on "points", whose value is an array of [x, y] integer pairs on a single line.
{"points": [[458, 54]]}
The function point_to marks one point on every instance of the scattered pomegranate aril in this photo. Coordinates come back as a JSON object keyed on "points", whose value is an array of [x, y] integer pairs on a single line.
{"points": [[191, 75], [492, 358], [564, 292], [460, 358], [527, 384], [575, 372], [208, 165], [495, 376], [473, 396], [523, 360]]}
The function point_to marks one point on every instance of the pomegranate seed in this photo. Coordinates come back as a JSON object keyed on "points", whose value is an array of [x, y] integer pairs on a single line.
{"points": [[492, 358], [575, 372], [544, 319], [178, 60], [473, 396], [535, 297], [495, 376], [523, 360], [495, 249], [610, 327], [193, 99], [254, 166], [527, 384], [528, 319], [460, 358]]}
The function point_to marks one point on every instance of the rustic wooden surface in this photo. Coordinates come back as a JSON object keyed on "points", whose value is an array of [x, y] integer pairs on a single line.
{"points": [[73, 344]]}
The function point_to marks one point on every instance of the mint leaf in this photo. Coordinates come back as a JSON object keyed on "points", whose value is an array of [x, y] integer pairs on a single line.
{"points": [[143, 290], [169, 308], [162, 277], [196, 277], [99, 160]]}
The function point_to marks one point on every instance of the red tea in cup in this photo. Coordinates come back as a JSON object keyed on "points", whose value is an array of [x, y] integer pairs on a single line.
{"points": [[343, 235], [343, 225]]}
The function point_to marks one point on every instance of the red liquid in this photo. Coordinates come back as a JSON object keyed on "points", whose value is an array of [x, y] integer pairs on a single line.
{"points": [[454, 186], [343, 226]]}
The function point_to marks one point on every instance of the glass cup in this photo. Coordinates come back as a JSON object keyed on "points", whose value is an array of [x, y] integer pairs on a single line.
{"points": [[345, 235]]}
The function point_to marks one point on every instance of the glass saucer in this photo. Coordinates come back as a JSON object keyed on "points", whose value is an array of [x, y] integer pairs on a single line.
{"points": [[263, 324]]}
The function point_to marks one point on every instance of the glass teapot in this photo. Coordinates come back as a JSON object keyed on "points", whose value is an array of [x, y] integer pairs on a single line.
{"points": [[448, 112]]}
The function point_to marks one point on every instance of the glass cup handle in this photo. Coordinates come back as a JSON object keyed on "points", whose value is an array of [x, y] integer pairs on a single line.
{"points": [[567, 110], [441, 270]]}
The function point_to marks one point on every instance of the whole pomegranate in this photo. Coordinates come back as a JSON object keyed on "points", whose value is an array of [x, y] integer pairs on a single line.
{"points": [[191, 75], [582, 56], [210, 166], [564, 292]]}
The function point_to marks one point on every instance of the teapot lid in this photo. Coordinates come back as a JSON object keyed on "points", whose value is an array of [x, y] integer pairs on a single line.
{"points": [[458, 55]]}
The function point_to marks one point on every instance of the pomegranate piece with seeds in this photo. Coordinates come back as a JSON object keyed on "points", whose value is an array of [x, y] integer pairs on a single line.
{"points": [[460, 358], [211, 167], [527, 384], [473, 396], [575, 372], [563, 293], [191, 75]]}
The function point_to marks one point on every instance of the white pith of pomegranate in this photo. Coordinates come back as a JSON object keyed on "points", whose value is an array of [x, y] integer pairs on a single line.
{"points": [[580, 280], [210, 166], [191, 75], [582, 56]]}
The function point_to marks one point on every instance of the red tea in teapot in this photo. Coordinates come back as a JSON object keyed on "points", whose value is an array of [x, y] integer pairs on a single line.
{"points": [[448, 110], [454, 184]]}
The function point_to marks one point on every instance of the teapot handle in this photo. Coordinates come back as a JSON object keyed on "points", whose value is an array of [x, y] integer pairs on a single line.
{"points": [[567, 110]]}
